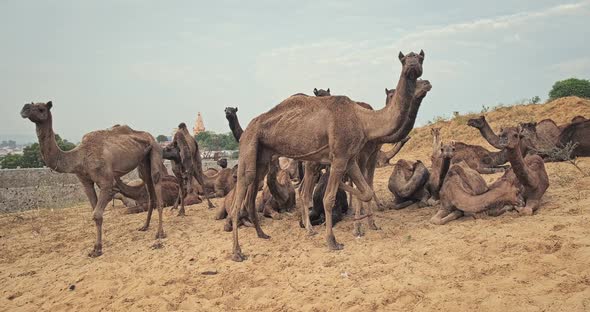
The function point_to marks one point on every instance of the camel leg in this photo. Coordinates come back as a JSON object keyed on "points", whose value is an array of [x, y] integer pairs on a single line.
{"points": [[89, 190], [154, 183], [182, 191], [403, 204], [144, 172], [365, 193], [456, 214], [337, 170], [530, 208], [261, 170], [105, 195], [305, 194]]}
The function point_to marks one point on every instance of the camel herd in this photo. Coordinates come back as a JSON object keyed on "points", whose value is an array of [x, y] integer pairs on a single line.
{"points": [[336, 149]]}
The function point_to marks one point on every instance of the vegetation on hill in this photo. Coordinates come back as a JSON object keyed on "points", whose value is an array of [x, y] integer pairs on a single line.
{"points": [[31, 157], [570, 87]]}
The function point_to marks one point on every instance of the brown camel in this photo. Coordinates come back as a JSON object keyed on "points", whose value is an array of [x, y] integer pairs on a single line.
{"points": [[441, 162], [436, 141], [407, 183], [278, 195], [578, 118], [465, 191], [479, 158], [577, 133], [101, 157], [383, 158], [186, 165], [543, 134], [135, 195], [234, 124], [329, 130], [481, 124], [321, 92], [530, 172]]}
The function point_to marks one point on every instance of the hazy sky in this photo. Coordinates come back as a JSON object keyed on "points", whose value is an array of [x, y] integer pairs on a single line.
{"points": [[153, 64]]}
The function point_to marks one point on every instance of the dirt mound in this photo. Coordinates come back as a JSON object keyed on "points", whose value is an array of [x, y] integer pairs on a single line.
{"points": [[509, 263]]}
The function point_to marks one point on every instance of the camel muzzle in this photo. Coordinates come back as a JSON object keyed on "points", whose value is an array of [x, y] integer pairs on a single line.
{"points": [[24, 113]]}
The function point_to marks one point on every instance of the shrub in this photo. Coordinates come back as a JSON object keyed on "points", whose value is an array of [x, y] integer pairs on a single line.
{"points": [[570, 87]]}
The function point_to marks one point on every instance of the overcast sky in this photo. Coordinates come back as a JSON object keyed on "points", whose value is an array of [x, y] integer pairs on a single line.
{"points": [[153, 64]]}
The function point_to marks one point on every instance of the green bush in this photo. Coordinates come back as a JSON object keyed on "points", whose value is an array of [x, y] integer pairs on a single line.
{"points": [[570, 87]]}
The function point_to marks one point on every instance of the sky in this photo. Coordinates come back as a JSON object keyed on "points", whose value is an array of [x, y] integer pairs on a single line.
{"points": [[154, 64]]}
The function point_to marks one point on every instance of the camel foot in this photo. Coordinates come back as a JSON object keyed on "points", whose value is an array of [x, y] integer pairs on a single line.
{"points": [[181, 213], [227, 227], [436, 221], [381, 207], [238, 256], [160, 234], [144, 228], [262, 235], [97, 252], [525, 211], [211, 206], [357, 231], [333, 245]]}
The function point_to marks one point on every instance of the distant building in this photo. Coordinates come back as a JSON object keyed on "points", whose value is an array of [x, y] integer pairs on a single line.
{"points": [[199, 125]]}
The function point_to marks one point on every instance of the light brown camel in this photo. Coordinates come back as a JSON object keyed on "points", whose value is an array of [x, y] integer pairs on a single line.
{"points": [[530, 172], [436, 141], [479, 158], [329, 130], [383, 158], [441, 162], [465, 191], [407, 183], [481, 124], [101, 157]]}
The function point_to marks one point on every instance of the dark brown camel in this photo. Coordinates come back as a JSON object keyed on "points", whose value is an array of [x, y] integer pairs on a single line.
{"points": [[530, 172], [577, 133], [543, 134], [465, 191], [101, 157], [317, 214], [321, 92], [407, 183], [324, 134], [578, 119]]}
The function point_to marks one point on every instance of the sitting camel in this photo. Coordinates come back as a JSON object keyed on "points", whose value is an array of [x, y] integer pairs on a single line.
{"points": [[317, 214], [465, 191], [441, 162], [278, 195], [135, 195], [324, 135], [529, 173], [487, 133], [407, 183], [577, 133], [100, 158]]}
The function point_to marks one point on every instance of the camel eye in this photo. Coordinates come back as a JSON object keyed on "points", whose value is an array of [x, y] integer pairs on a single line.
{"points": [[515, 135]]}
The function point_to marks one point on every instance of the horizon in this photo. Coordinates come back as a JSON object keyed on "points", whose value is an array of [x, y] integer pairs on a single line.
{"points": [[153, 64]]}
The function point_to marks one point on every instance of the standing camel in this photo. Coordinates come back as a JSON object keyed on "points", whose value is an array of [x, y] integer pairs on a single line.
{"points": [[101, 157], [328, 130]]}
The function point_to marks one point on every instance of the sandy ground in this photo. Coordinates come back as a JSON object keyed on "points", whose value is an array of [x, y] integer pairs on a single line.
{"points": [[509, 263]]}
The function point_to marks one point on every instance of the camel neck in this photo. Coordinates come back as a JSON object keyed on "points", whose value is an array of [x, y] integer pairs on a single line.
{"points": [[490, 136], [444, 168], [388, 120], [436, 144], [521, 171], [53, 156], [236, 128]]}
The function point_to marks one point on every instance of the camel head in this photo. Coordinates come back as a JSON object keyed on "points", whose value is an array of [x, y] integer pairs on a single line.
{"points": [[321, 92], [171, 152], [37, 112], [222, 163], [389, 93], [230, 112], [477, 123], [510, 137], [412, 64], [447, 150], [435, 131]]}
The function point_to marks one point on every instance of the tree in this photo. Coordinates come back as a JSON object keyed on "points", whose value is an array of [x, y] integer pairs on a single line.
{"points": [[569, 87], [216, 141], [31, 157], [535, 99], [161, 138], [10, 161]]}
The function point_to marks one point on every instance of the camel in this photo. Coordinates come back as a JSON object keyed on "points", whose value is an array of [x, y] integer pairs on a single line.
{"points": [[543, 134], [479, 158], [436, 141], [578, 118], [465, 191], [577, 133], [186, 165], [383, 158], [234, 123], [407, 183], [329, 130], [317, 214], [530, 172], [441, 162], [321, 92], [101, 157], [135, 196], [481, 124], [293, 167], [222, 163], [278, 195]]}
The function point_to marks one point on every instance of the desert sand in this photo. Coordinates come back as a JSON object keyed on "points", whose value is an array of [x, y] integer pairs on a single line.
{"points": [[507, 263]]}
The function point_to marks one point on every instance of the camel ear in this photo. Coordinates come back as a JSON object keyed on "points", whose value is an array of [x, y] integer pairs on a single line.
{"points": [[49, 105], [386, 91], [421, 53], [400, 55], [236, 109], [315, 91], [328, 90]]}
